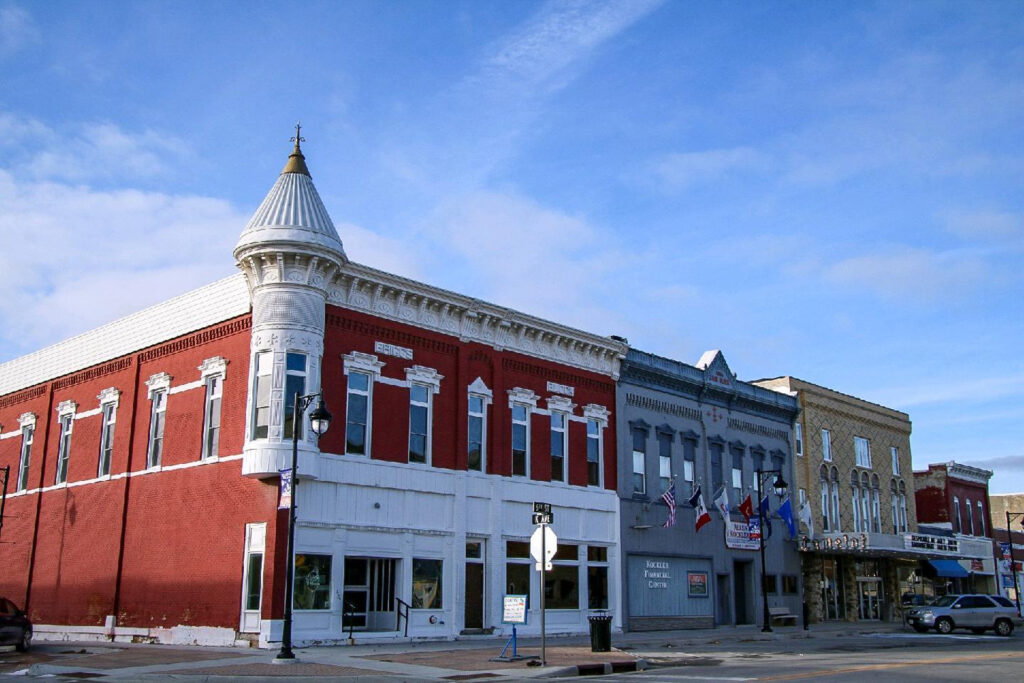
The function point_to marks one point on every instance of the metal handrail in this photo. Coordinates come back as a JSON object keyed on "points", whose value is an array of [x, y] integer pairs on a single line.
{"points": [[349, 610], [402, 612]]}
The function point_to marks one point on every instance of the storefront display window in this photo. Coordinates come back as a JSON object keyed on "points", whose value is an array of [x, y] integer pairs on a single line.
{"points": [[312, 582], [427, 578]]}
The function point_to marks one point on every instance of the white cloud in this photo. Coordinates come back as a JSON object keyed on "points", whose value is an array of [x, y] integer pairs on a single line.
{"points": [[397, 256], [986, 224], [681, 170], [918, 274], [17, 30]]}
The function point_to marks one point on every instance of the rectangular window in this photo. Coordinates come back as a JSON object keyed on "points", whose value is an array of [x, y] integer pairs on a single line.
{"points": [[895, 505], [262, 381], [837, 521], [517, 568], [593, 453], [156, 428], [211, 416], [357, 413], [876, 512], [419, 423], [716, 467], [981, 519], [799, 428], [27, 435], [789, 584], [771, 586], [665, 460], [311, 587], [477, 432], [558, 446], [957, 526], [427, 580], [520, 440], [254, 581], [639, 461], [562, 583], [895, 460], [862, 449], [597, 577], [689, 459], [294, 383], [64, 447], [969, 529], [825, 523], [826, 445], [737, 472], [856, 508], [106, 438]]}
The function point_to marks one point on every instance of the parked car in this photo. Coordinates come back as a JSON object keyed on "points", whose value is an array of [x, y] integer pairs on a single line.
{"points": [[15, 628], [914, 600], [979, 613]]}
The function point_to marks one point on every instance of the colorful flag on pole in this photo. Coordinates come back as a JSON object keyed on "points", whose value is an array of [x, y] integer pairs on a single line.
{"points": [[805, 517], [285, 500], [669, 498], [747, 507], [722, 504], [701, 516], [785, 513], [766, 514]]}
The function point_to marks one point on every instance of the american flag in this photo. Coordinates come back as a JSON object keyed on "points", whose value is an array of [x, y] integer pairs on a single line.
{"points": [[669, 498]]}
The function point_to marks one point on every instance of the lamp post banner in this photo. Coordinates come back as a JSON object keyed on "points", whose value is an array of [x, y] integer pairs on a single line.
{"points": [[285, 499]]}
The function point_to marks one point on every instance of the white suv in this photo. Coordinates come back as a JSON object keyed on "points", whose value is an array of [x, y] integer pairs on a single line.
{"points": [[978, 613]]}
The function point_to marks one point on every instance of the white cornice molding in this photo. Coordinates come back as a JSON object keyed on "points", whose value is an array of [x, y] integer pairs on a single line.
{"points": [[561, 404], [27, 420], [157, 382], [68, 407], [381, 294], [522, 396], [480, 388], [213, 366], [109, 395], [968, 473]]}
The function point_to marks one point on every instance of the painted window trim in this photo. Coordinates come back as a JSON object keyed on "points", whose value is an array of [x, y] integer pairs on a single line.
{"points": [[27, 422], [370, 365], [65, 412], [109, 398], [478, 389]]}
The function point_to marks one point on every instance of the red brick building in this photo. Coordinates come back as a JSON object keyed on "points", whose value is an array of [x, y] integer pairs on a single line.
{"points": [[145, 455]]}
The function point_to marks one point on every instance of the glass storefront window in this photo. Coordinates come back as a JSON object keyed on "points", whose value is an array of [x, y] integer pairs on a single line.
{"points": [[312, 582], [427, 577]]}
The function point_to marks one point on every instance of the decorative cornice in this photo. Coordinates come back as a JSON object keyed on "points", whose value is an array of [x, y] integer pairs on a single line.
{"points": [[27, 420], [968, 473], [109, 395], [381, 294], [66, 407]]}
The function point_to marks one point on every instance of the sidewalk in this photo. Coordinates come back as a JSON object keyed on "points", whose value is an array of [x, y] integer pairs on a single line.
{"points": [[435, 660]]}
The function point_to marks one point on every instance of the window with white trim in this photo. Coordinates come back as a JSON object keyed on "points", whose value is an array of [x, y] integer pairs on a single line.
{"points": [[158, 413], [904, 525], [559, 446], [665, 459], [597, 577], [639, 461], [520, 440], [957, 525], [737, 472], [981, 519], [969, 529], [826, 445], [109, 419], [263, 380], [67, 421], [357, 414], [895, 451], [799, 434], [27, 436], [862, 449], [825, 522], [477, 448], [294, 383], [419, 423], [595, 473], [894, 501], [211, 416], [837, 520]]}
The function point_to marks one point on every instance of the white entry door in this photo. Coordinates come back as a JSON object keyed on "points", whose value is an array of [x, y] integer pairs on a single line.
{"points": [[252, 577]]}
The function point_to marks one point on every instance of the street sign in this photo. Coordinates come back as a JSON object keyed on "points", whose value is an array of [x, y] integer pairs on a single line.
{"points": [[543, 517], [550, 543], [542, 507]]}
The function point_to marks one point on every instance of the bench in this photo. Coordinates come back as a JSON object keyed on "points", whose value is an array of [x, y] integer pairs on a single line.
{"points": [[782, 614]]}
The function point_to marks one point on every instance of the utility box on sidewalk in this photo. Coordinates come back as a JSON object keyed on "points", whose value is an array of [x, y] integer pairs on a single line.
{"points": [[601, 633]]}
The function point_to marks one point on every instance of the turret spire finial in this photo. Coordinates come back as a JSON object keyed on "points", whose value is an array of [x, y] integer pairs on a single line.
{"points": [[296, 162]]}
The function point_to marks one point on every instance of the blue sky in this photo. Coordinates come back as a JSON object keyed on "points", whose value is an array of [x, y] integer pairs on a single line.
{"points": [[827, 190]]}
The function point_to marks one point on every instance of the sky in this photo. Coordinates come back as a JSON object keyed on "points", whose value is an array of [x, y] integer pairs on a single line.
{"points": [[820, 189]]}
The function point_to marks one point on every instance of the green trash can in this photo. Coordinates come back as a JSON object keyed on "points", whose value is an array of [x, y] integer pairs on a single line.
{"points": [[601, 633]]}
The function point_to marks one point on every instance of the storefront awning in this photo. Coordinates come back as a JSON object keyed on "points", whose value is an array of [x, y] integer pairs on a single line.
{"points": [[950, 569]]}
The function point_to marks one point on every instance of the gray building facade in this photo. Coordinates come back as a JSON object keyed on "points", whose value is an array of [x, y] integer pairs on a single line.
{"points": [[697, 425]]}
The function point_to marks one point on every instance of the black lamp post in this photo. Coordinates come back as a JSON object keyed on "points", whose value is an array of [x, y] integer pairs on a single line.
{"points": [[319, 421], [1013, 560], [780, 487]]}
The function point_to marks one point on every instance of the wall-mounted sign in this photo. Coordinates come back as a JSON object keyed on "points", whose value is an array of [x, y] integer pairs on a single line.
{"points": [[925, 542], [657, 574], [697, 584], [392, 350], [513, 609], [737, 537], [835, 542], [556, 388], [718, 377]]}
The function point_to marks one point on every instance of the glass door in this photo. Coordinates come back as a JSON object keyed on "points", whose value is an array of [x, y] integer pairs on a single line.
{"points": [[830, 590], [870, 590]]}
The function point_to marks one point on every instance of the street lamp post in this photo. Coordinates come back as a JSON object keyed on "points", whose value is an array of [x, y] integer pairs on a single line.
{"points": [[780, 486], [1013, 559], [319, 421]]}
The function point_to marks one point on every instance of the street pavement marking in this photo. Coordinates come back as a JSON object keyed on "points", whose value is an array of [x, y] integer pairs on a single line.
{"points": [[891, 665], [948, 636]]}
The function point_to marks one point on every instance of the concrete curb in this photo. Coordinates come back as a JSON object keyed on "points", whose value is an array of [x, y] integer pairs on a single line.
{"points": [[598, 669]]}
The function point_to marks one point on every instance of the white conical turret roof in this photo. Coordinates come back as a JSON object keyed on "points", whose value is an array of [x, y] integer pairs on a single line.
{"points": [[292, 216]]}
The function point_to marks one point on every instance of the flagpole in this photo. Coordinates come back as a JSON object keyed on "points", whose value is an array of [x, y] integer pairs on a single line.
{"points": [[767, 627]]}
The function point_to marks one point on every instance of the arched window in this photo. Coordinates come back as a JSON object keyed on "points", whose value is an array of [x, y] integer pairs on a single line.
{"points": [[865, 502], [957, 525], [876, 511], [826, 524], [981, 518], [837, 520], [969, 529], [894, 501], [904, 527], [855, 499]]}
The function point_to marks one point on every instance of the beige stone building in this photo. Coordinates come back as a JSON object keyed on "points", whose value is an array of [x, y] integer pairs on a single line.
{"points": [[855, 488]]}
